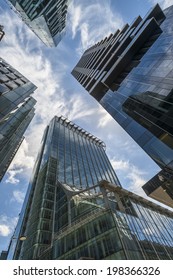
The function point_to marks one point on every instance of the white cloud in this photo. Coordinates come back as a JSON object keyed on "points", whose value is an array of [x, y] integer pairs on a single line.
{"points": [[75, 18], [78, 108], [18, 196], [7, 225], [12, 176], [136, 177], [22, 158], [4, 230], [104, 119], [85, 35], [120, 164], [93, 21], [133, 178], [21, 164]]}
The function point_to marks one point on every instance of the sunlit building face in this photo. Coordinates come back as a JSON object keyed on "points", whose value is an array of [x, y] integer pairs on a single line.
{"points": [[130, 73]]}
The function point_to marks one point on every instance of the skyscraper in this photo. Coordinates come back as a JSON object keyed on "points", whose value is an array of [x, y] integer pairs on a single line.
{"points": [[130, 74], [2, 33], [75, 207], [3, 255], [113, 223], [69, 155], [47, 19], [16, 112]]}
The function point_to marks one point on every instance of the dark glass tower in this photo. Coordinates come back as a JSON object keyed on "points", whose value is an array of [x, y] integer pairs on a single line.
{"points": [[130, 74], [75, 207], [108, 222], [68, 155], [16, 112], [47, 19], [2, 33]]}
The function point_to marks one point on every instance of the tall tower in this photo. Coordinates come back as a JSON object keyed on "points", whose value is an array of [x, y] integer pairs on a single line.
{"points": [[16, 112], [47, 19], [130, 74], [75, 207], [69, 155], [2, 33]]}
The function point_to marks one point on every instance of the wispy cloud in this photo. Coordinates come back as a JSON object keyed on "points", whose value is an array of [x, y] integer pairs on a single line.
{"points": [[136, 177], [93, 21], [4, 230], [105, 118], [21, 164], [18, 196], [120, 164], [12, 175], [7, 225], [76, 14], [52, 95]]}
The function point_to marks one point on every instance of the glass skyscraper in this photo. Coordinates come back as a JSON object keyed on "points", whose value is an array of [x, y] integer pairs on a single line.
{"points": [[47, 19], [130, 74], [68, 155], [108, 222], [75, 207], [16, 112], [2, 33]]}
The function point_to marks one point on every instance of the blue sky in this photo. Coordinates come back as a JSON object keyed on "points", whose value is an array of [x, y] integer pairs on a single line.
{"points": [[59, 93]]}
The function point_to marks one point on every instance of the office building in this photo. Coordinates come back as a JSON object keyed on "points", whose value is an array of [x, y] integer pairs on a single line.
{"points": [[68, 155], [2, 33], [3, 255], [113, 223], [75, 207], [16, 112], [130, 73], [47, 19]]}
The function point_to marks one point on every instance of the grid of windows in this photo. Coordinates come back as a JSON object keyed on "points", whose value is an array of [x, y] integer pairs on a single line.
{"points": [[46, 18], [72, 156], [2, 33], [82, 161], [117, 224], [70, 221], [131, 74], [16, 112]]}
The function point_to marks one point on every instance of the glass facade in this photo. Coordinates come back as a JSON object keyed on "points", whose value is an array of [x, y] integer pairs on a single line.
{"points": [[132, 78], [3, 255], [69, 155], [16, 112], [47, 19], [108, 222], [161, 186], [2, 33], [88, 218]]}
